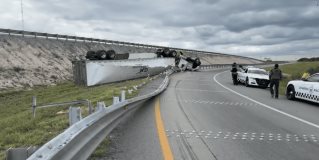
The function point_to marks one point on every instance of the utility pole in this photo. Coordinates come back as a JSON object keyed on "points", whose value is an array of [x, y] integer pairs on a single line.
{"points": [[22, 18]]}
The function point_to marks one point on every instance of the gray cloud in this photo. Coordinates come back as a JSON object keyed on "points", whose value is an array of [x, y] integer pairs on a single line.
{"points": [[284, 29]]}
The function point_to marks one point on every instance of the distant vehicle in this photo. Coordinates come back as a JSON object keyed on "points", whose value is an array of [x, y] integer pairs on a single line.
{"points": [[307, 89], [251, 76]]}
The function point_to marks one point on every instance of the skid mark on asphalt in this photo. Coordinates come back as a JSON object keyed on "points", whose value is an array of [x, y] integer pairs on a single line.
{"points": [[227, 103], [247, 136]]}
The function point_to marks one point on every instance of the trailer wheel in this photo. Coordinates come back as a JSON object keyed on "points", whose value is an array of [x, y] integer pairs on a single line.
{"points": [[91, 55], [110, 54], [159, 52], [165, 52], [172, 53]]}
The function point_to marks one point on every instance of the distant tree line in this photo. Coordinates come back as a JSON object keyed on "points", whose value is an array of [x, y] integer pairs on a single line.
{"points": [[308, 59], [313, 70]]}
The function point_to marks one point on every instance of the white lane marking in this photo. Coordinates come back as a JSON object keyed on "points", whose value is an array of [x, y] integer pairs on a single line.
{"points": [[251, 136], [264, 105]]}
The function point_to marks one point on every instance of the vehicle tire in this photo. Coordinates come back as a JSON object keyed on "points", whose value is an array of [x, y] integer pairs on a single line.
{"points": [[172, 53], [247, 82], [290, 93], [165, 52], [90, 55], [101, 54], [197, 62], [159, 52], [110, 54]]}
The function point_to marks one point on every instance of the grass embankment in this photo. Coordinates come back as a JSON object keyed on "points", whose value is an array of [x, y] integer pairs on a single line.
{"points": [[295, 71], [20, 129]]}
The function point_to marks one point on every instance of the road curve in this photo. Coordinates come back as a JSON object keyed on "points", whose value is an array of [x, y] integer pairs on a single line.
{"points": [[206, 117]]}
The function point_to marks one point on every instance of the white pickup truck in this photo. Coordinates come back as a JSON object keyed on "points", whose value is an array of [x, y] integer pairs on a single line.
{"points": [[307, 89]]}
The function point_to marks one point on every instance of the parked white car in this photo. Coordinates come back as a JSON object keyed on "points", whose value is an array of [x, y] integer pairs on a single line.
{"points": [[252, 76], [307, 89]]}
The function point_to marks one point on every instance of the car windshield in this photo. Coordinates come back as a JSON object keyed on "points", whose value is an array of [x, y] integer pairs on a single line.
{"points": [[314, 78], [258, 72]]}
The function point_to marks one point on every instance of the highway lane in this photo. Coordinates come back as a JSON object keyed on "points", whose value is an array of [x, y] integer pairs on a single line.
{"points": [[204, 120]]}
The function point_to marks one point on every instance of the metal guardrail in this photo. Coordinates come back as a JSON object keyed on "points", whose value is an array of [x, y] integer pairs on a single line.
{"points": [[81, 139], [218, 66], [215, 66], [95, 40], [34, 104]]}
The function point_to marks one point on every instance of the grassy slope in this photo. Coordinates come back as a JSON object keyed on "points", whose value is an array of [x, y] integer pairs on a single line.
{"points": [[294, 71], [19, 129]]}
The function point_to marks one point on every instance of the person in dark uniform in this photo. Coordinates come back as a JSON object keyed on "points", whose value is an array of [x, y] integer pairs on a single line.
{"points": [[234, 73], [275, 76]]}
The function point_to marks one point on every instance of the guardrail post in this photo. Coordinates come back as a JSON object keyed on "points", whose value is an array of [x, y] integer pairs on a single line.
{"points": [[90, 107], [20, 153], [74, 115], [100, 106], [116, 100], [122, 96], [34, 104]]}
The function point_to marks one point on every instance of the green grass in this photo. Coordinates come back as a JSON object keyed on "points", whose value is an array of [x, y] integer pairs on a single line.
{"points": [[100, 150], [295, 71], [20, 129]]}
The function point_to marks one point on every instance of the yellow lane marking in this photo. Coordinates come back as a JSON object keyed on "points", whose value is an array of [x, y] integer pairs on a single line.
{"points": [[166, 149]]}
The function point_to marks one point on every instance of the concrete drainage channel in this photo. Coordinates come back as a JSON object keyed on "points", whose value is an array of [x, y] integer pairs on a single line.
{"points": [[84, 135]]}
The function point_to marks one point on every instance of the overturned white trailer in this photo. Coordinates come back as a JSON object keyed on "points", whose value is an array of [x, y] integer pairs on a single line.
{"points": [[103, 66], [95, 72]]}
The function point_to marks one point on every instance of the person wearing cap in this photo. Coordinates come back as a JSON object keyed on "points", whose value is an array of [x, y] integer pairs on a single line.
{"points": [[275, 76], [234, 73]]}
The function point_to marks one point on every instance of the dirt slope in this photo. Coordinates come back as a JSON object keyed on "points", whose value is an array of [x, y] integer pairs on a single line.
{"points": [[25, 62]]}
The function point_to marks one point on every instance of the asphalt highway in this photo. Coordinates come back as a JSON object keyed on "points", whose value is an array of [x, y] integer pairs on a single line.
{"points": [[201, 115]]}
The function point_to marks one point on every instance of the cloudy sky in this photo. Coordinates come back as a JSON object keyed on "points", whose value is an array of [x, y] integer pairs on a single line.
{"points": [[279, 29]]}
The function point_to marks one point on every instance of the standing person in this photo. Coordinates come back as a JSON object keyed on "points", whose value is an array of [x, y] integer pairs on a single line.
{"points": [[275, 76], [234, 73]]}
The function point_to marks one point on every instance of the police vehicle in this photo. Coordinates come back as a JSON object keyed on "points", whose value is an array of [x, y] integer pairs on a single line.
{"points": [[252, 76], [307, 89]]}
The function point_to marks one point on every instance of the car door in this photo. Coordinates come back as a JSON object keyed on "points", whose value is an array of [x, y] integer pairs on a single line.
{"points": [[313, 83], [240, 74]]}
